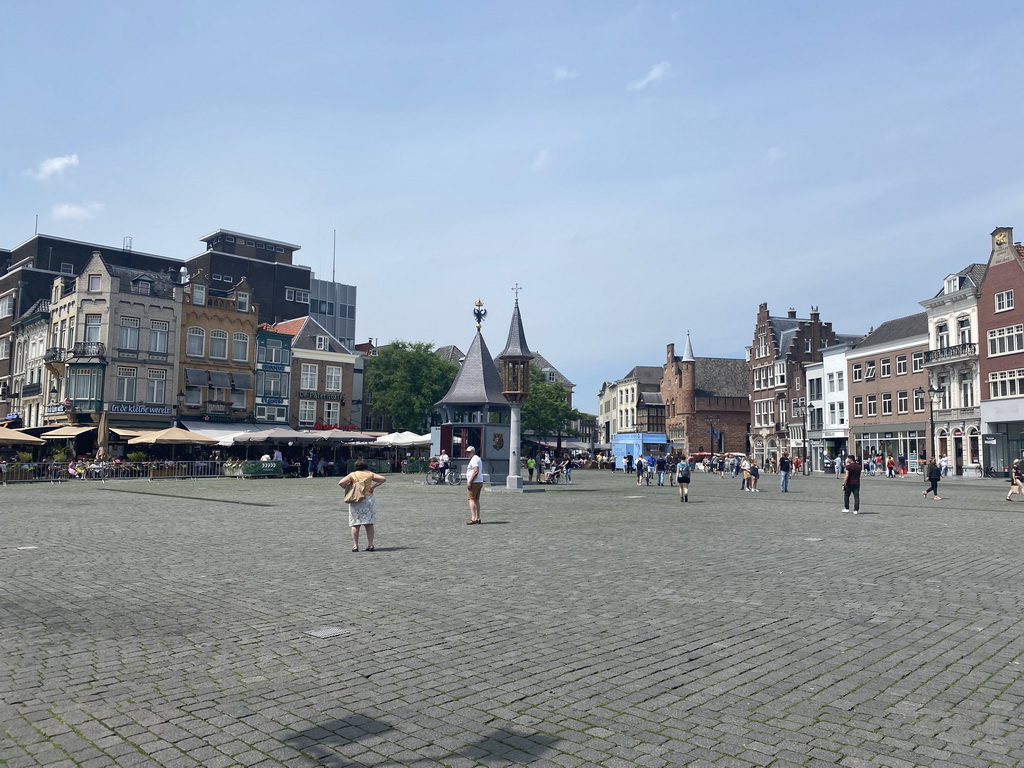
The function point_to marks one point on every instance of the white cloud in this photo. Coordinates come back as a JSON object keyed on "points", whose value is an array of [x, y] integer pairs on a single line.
{"points": [[659, 72], [541, 161], [76, 212], [564, 73], [53, 166]]}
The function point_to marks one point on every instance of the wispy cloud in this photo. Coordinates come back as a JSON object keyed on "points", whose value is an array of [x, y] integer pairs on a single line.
{"points": [[659, 73], [564, 73], [53, 166], [77, 212], [541, 161]]}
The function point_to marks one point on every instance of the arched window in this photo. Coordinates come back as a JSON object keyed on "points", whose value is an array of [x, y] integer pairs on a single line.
{"points": [[219, 344], [196, 342], [240, 347]]}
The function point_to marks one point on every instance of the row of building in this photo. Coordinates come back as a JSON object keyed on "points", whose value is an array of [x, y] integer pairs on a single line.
{"points": [[237, 338], [948, 381]]}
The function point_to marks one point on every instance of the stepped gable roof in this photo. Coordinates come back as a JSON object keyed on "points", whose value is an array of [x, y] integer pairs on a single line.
{"points": [[721, 377], [478, 381], [785, 329], [450, 352], [895, 330], [516, 345]]}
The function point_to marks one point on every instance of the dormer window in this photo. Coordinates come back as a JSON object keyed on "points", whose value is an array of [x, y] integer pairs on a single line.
{"points": [[952, 283], [321, 342], [243, 301], [198, 295], [144, 288]]}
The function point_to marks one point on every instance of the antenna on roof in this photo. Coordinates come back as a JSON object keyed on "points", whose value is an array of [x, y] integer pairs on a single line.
{"points": [[334, 256]]}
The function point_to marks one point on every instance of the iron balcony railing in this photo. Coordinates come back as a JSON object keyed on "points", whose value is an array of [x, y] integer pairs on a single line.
{"points": [[944, 354]]}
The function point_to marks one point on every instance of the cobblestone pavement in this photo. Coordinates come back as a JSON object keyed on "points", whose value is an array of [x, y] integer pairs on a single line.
{"points": [[164, 624]]}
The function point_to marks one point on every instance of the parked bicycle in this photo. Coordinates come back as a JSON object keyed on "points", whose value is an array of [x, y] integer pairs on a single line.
{"points": [[452, 476]]}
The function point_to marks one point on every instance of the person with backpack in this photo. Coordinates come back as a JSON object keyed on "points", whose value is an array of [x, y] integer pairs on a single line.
{"points": [[683, 479], [933, 473]]}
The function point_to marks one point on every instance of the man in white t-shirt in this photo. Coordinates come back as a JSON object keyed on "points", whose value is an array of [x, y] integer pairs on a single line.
{"points": [[442, 465], [474, 484]]}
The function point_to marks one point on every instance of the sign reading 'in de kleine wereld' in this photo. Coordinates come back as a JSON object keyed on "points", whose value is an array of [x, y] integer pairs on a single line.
{"points": [[153, 410]]}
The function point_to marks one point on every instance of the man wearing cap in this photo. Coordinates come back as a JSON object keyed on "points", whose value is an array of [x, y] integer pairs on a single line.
{"points": [[474, 484]]}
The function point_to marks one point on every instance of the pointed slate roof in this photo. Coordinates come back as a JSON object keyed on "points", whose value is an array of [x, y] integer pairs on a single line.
{"points": [[688, 352], [516, 345], [478, 381]]}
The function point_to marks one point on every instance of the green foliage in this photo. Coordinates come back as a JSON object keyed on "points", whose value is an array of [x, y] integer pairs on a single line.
{"points": [[136, 456], [546, 411], [406, 379], [24, 455]]}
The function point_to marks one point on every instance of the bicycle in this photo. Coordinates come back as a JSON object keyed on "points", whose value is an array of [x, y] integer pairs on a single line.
{"points": [[452, 477], [991, 472]]}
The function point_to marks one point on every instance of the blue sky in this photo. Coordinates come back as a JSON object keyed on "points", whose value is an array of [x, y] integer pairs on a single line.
{"points": [[641, 169]]}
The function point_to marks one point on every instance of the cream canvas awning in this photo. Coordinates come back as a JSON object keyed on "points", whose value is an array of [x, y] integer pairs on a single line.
{"points": [[223, 432], [64, 432]]}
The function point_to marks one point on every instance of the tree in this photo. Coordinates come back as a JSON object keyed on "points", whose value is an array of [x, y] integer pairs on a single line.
{"points": [[406, 379], [546, 409]]}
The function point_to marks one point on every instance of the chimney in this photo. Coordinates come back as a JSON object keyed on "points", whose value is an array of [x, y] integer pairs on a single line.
{"points": [[792, 313], [815, 317]]}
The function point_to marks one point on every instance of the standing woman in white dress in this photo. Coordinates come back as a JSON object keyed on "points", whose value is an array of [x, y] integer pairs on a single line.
{"points": [[359, 487]]}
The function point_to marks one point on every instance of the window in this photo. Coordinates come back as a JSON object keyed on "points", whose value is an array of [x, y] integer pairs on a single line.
{"points": [[902, 402], [333, 379], [952, 284], [886, 366], [942, 335], [274, 352], [887, 404], [144, 288], [129, 337], [963, 330], [321, 343], [831, 382], [1004, 301], [92, 328], [158, 332], [274, 383], [295, 294], [229, 239], [243, 301], [966, 390], [219, 344], [858, 407], [227, 278], [332, 412], [917, 362], [1005, 341], [240, 347], [198, 294], [192, 395], [1006, 384], [918, 401], [309, 375], [832, 414], [195, 342], [156, 387], [840, 381], [814, 389], [872, 405], [5, 349], [858, 372], [307, 413], [126, 378], [238, 399], [66, 268], [869, 370], [842, 412], [6, 306], [780, 373], [901, 365], [95, 283], [215, 276], [85, 383]]}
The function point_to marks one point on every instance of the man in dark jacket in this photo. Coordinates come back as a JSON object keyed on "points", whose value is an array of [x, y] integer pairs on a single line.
{"points": [[851, 485], [784, 467]]}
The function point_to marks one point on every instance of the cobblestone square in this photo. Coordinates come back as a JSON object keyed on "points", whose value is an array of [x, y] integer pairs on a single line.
{"points": [[600, 623]]}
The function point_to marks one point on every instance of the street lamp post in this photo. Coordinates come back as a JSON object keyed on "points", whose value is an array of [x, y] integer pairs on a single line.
{"points": [[801, 411], [180, 397], [932, 392]]}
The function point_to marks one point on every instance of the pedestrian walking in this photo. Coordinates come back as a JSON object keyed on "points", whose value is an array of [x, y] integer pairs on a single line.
{"points": [[660, 466], [784, 467], [531, 465], [932, 473], [851, 484], [755, 473], [683, 479], [745, 469], [362, 510], [1016, 476]]}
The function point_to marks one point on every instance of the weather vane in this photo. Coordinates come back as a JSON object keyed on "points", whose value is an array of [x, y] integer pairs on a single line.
{"points": [[516, 289], [479, 313]]}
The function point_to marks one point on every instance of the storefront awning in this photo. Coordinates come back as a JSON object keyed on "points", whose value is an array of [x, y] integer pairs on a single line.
{"points": [[64, 432], [195, 377], [223, 432], [241, 380]]}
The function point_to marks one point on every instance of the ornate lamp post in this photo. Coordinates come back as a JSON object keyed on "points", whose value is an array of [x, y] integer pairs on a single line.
{"points": [[801, 411], [515, 380], [932, 392], [177, 408]]}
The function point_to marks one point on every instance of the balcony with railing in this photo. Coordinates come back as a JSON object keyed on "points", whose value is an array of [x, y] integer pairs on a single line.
{"points": [[89, 349], [948, 354]]}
